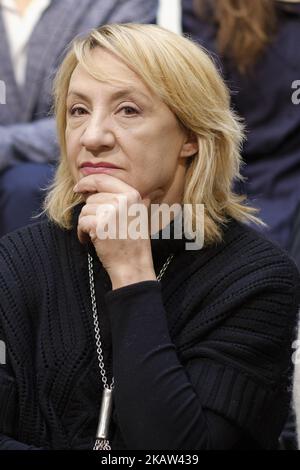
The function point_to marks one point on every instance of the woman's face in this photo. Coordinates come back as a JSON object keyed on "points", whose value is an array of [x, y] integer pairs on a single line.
{"points": [[125, 124]]}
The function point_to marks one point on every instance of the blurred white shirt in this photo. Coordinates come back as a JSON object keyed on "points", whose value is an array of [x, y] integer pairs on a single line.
{"points": [[169, 15], [19, 29]]}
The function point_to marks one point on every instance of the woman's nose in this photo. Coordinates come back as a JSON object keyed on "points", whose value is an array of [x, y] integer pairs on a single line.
{"points": [[98, 135]]}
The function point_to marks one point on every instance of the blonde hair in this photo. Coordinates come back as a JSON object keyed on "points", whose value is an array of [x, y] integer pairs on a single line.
{"points": [[185, 78]]}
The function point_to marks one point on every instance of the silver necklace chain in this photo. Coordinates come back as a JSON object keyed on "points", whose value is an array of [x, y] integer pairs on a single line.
{"points": [[96, 322]]}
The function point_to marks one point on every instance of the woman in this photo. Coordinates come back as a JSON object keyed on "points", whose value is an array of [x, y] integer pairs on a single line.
{"points": [[257, 45], [193, 346]]}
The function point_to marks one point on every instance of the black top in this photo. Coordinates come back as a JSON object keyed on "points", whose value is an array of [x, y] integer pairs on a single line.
{"points": [[201, 360], [263, 97]]}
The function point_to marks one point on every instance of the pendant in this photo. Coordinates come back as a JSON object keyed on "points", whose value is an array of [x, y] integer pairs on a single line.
{"points": [[102, 442]]}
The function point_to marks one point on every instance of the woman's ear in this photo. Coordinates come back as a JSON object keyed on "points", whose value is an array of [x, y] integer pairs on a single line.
{"points": [[190, 146]]}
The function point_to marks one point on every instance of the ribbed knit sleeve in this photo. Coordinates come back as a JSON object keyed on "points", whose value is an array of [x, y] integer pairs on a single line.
{"points": [[156, 404], [246, 363], [15, 304], [240, 369]]}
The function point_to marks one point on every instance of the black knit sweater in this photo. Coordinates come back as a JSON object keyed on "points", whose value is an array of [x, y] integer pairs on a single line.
{"points": [[200, 360]]}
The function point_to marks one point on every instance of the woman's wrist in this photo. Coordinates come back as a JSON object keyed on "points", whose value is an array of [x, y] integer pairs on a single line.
{"points": [[126, 275]]}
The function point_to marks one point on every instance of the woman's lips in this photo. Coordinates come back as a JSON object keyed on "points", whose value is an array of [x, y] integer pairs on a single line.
{"points": [[90, 170]]}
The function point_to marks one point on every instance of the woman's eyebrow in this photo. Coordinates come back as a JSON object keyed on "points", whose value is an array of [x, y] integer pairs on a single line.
{"points": [[78, 94], [131, 91], [124, 92]]}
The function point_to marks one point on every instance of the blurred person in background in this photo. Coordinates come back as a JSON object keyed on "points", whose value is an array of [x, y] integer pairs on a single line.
{"points": [[34, 35], [256, 44]]}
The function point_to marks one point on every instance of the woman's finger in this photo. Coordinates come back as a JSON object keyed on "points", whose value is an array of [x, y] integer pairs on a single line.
{"points": [[102, 183], [87, 227]]}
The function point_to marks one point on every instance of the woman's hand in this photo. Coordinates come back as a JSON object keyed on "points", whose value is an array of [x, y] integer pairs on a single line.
{"points": [[126, 260]]}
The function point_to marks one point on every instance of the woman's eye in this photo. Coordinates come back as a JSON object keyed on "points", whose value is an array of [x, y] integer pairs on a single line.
{"points": [[129, 111], [77, 111]]}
